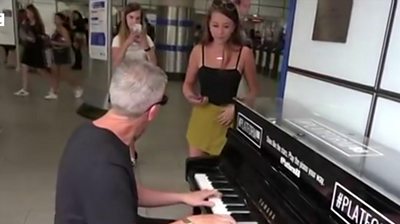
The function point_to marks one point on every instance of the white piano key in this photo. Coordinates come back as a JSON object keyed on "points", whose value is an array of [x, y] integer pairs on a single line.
{"points": [[219, 207]]}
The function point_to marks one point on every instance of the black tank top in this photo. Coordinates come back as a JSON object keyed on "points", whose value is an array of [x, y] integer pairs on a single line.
{"points": [[219, 85]]}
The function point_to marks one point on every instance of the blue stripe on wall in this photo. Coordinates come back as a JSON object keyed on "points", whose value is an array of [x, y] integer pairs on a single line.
{"points": [[286, 51], [167, 47], [174, 22]]}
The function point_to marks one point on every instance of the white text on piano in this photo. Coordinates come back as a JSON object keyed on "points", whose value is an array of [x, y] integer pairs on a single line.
{"points": [[289, 166]]}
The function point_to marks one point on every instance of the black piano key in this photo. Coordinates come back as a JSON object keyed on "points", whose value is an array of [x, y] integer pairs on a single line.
{"points": [[230, 195], [227, 191], [217, 178], [214, 174], [217, 185], [237, 208], [242, 217], [229, 200], [220, 182]]}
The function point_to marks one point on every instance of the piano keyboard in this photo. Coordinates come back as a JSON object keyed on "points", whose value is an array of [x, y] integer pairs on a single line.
{"points": [[230, 203]]}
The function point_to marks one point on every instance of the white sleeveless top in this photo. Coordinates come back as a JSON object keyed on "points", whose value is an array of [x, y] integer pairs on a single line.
{"points": [[134, 52]]}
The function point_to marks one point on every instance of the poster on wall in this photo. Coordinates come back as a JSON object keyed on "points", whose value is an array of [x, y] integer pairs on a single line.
{"points": [[98, 30], [7, 36], [332, 20]]}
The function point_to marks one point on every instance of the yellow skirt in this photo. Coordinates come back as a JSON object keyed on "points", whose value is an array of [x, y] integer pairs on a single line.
{"points": [[204, 132]]}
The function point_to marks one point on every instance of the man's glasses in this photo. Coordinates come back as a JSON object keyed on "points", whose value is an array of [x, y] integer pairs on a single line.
{"points": [[162, 102], [226, 4]]}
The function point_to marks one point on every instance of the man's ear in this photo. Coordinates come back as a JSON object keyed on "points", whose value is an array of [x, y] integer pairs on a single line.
{"points": [[153, 112]]}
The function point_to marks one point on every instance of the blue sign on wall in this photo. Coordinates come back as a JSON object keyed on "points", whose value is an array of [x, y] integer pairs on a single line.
{"points": [[98, 39]]}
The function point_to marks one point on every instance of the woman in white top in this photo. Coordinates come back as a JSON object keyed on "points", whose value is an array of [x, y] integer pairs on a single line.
{"points": [[132, 42]]}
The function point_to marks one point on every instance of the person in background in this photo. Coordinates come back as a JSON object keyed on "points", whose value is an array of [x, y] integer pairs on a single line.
{"points": [[61, 48], [86, 27], [78, 38], [96, 183], [132, 41], [116, 29], [218, 64], [7, 50], [243, 7], [34, 37], [197, 34]]}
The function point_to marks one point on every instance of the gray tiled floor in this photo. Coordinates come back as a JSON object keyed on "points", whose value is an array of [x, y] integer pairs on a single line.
{"points": [[32, 135]]}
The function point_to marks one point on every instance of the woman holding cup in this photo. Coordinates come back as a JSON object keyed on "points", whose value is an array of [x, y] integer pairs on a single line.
{"points": [[132, 41]]}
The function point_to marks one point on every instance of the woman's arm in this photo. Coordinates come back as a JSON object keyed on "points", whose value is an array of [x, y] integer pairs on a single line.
{"points": [[151, 53], [191, 73], [250, 74]]}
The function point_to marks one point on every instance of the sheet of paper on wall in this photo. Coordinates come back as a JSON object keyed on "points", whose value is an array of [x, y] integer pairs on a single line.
{"points": [[1, 19], [98, 28], [332, 20]]}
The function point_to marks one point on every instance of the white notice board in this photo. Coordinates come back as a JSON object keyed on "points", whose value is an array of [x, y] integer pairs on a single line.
{"points": [[98, 29], [7, 35]]}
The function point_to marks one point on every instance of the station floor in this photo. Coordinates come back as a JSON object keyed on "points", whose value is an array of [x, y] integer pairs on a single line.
{"points": [[33, 132]]}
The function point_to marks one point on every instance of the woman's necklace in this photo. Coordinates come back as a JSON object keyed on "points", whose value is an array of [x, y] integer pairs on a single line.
{"points": [[221, 58]]}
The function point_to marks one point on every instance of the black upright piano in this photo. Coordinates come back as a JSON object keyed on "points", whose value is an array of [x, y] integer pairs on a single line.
{"points": [[284, 165]]}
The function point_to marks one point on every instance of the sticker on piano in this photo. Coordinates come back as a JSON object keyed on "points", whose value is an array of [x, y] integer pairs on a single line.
{"points": [[334, 139], [353, 210], [249, 129]]}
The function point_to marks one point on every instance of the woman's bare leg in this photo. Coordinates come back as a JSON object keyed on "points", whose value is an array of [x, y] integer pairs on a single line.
{"points": [[196, 152], [56, 75], [53, 84], [24, 81]]}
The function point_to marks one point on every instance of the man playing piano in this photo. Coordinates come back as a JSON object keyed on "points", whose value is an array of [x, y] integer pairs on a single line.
{"points": [[96, 183]]}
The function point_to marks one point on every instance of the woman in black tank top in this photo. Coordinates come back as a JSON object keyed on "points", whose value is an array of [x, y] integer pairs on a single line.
{"points": [[218, 64]]}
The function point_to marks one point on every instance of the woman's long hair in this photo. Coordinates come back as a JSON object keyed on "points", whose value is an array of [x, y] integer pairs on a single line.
{"points": [[124, 30], [38, 19], [76, 12]]}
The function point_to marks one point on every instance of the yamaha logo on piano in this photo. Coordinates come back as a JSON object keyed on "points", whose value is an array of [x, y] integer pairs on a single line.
{"points": [[249, 129], [353, 210]]}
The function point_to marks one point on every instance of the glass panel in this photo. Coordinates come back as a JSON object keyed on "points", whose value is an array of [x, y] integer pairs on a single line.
{"points": [[343, 106], [337, 59]]}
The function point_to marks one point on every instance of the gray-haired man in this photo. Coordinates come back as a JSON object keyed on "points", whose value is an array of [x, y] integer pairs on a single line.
{"points": [[96, 183]]}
